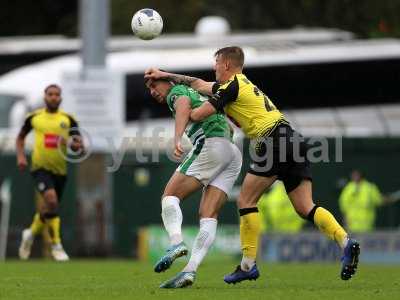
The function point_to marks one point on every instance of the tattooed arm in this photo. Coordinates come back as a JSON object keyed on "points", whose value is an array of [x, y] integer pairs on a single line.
{"points": [[198, 84]]}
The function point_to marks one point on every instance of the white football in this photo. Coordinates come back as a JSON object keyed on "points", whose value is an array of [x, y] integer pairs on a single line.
{"points": [[147, 24]]}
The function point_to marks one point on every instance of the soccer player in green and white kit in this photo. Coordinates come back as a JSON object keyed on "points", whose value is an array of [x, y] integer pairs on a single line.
{"points": [[213, 164]]}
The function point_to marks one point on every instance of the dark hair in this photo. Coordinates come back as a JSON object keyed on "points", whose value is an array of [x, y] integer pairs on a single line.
{"points": [[234, 54], [53, 85], [357, 171], [159, 79]]}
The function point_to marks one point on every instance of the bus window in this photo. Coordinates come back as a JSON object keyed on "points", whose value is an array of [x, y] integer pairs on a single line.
{"points": [[329, 85], [296, 86]]}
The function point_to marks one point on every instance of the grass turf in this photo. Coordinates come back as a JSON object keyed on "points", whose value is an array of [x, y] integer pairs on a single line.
{"points": [[118, 279]]}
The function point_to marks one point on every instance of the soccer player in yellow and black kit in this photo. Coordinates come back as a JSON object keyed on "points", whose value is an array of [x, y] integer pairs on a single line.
{"points": [[52, 128], [278, 152]]}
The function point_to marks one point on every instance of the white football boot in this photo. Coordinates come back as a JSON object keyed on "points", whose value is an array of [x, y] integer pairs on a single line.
{"points": [[26, 244], [58, 253]]}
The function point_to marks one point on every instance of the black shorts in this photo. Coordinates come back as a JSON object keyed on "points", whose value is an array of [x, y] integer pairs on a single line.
{"points": [[45, 180], [282, 153]]}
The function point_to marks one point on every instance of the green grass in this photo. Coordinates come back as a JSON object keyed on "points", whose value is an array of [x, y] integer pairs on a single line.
{"points": [[118, 279]]}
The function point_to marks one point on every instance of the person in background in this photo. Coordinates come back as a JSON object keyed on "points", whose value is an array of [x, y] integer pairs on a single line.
{"points": [[53, 128], [358, 202]]}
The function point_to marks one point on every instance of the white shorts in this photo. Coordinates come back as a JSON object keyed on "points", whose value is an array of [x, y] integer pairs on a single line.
{"points": [[213, 161]]}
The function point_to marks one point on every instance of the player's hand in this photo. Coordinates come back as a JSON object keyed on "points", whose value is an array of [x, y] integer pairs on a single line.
{"points": [[22, 163], [178, 151], [76, 144], [154, 73]]}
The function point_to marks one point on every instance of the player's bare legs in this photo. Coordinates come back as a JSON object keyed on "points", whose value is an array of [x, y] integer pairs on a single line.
{"points": [[28, 234], [53, 222], [301, 198], [48, 215], [252, 188], [211, 203], [178, 188], [181, 186]]}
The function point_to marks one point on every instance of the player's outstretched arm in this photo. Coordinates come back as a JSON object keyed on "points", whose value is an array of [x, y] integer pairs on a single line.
{"points": [[204, 87], [216, 102], [391, 198], [202, 112]]}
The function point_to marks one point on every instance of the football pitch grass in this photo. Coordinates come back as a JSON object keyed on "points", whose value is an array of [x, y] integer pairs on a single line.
{"points": [[126, 279]]}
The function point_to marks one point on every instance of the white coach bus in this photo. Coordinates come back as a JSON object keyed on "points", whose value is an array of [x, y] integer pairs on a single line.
{"points": [[297, 71]]}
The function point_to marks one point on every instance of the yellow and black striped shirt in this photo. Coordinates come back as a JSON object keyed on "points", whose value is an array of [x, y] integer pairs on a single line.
{"points": [[49, 129], [247, 106]]}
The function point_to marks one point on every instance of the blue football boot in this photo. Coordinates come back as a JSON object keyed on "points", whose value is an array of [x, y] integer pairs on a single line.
{"points": [[172, 253], [350, 259], [181, 280], [239, 275]]}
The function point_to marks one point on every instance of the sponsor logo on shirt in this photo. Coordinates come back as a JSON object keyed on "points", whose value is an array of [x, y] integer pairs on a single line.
{"points": [[51, 140]]}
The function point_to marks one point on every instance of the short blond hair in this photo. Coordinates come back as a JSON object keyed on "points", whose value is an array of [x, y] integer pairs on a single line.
{"points": [[234, 54]]}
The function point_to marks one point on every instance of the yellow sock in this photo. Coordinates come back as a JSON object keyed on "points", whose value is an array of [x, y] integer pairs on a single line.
{"points": [[327, 223], [249, 234], [37, 224], [54, 229]]}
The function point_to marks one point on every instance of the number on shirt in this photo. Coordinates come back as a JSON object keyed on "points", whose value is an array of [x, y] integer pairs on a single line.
{"points": [[268, 105]]}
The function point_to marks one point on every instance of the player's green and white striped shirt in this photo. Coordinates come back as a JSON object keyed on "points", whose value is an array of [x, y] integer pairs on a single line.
{"points": [[213, 126]]}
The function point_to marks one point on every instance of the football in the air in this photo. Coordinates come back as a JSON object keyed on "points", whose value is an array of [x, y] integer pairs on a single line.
{"points": [[147, 24]]}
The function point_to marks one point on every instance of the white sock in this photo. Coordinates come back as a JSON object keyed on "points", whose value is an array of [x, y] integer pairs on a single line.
{"points": [[28, 234], [344, 244], [172, 218], [247, 263], [203, 241]]}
